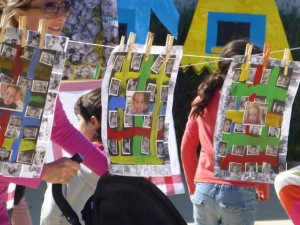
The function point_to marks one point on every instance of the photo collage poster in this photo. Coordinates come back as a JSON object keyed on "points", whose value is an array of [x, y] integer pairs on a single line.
{"points": [[28, 89], [252, 127], [88, 25], [137, 130]]}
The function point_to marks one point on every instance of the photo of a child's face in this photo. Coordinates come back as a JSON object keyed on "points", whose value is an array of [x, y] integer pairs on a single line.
{"points": [[139, 103], [255, 113]]}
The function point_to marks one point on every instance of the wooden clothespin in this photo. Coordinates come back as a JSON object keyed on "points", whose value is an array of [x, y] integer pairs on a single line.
{"points": [[41, 31], [122, 41], [22, 27], [286, 56], [149, 41], [169, 44], [266, 55], [248, 52], [4, 22], [130, 44]]}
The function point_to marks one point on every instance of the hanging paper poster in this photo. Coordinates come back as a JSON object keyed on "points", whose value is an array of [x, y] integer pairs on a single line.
{"points": [[90, 25], [252, 126], [27, 101], [137, 96]]}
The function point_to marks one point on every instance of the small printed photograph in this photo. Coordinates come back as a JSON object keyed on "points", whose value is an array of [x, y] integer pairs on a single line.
{"points": [[226, 126], [138, 103], [251, 167], [147, 122], [160, 122], [113, 118], [169, 66], [12, 97], [27, 53], [260, 99], [267, 168], [274, 132], [157, 64], [159, 148], [237, 74], [222, 148], [11, 169], [5, 79], [24, 81], [136, 61], [118, 62], [15, 121], [166, 152], [39, 86], [12, 35], [59, 62], [4, 154], [164, 93], [25, 157], [8, 52], [112, 146], [266, 76], [235, 168], [278, 107], [271, 150], [283, 81], [32, 38], [243, 102], [166, 132], [85, 72], [255, 130], [238, 150], [30, 132], [145, 145], [114, 87], [231, 103], [38, 157], [131, 85], [128, 120], [151, 88], [33, 112], [68, 72], [126, 146], [45, 132], [47, 58], [255, 113], [252, 149], [54, 82], [57, 43], [92, 58], [239, 128], [12, 132], [251, 75]]}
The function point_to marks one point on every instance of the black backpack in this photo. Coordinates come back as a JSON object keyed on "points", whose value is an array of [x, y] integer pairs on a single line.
{"points": [[123, 200]]}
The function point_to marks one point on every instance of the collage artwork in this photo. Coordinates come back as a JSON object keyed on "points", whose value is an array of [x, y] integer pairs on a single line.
{"points": [[252, 126], [29, 84], [90, 22], [138, 128]]}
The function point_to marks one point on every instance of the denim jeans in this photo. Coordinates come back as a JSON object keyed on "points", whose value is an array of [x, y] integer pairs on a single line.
{"points": [[219, 204]]}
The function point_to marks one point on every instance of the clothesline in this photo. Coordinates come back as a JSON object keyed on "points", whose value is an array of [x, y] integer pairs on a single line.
{"points": [[188, 55]]}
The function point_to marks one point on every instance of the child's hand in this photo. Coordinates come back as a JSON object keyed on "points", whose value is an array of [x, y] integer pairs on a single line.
{"points": [[263, 192]]}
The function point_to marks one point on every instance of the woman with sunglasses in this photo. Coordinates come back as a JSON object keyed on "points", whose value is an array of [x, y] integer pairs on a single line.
{"points": [[63, 133]]}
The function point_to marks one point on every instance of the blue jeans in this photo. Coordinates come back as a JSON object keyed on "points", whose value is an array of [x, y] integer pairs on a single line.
{"points": [[219, 204]]}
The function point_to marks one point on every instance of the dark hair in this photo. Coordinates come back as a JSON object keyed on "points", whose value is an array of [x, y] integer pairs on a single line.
{"points": [[146, 99], [89, 105], [207, 88]]}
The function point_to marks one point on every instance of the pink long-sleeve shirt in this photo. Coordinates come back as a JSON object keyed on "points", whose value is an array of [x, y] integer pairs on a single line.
{"points": [[70, 139], [201, 130]]}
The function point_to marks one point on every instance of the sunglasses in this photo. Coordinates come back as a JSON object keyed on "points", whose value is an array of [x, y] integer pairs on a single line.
{"points": [[52, 7]]}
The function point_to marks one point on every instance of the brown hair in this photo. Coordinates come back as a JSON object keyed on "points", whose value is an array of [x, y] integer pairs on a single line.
{"points": [[207, 88]]}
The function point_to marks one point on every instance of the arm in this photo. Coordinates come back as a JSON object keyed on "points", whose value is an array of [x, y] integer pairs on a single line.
{"points": [[60, 171], [70, 139], [189, 144], [263, 191]]}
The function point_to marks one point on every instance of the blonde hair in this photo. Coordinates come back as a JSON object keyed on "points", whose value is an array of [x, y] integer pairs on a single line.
{"points": [[9, 9]]}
